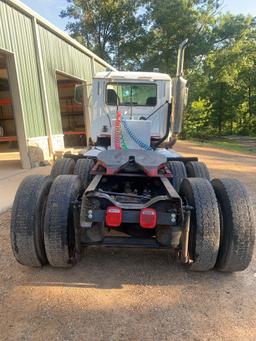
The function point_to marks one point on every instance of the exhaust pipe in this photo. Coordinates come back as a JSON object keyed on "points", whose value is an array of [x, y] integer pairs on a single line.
{"points": [[180, 94], [181, 55], [179, 101]]}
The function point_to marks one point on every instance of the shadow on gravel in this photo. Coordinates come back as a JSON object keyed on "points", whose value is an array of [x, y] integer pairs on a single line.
{"points": [[111, 269], [128, 295]]}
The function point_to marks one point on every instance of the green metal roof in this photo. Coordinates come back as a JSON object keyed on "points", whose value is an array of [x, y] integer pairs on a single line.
{"points": [[49, 26]]}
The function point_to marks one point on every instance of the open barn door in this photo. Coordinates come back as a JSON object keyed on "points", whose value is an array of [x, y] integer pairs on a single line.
{"points": [[13, 150], [73, 113]]}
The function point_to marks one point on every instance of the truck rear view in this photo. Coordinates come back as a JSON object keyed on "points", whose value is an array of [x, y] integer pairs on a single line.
{"points": [[131, 189]]}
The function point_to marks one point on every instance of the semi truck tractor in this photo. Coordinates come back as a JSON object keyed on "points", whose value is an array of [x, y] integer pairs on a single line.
{"points": [[129, 188]]}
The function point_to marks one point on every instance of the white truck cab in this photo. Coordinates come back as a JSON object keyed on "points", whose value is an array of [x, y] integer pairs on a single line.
{"points": [[137, 95]]}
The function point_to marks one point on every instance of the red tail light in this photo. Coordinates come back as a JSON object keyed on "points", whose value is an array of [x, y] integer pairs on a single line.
{"points": [[114, 216], [148, 218]]}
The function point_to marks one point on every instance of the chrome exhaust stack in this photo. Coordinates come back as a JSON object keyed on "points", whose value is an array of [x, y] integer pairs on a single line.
{"points": [[180, 93]]}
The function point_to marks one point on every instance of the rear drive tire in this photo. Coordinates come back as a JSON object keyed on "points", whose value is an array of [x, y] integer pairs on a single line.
{"points": [[63, 167], [197, 170], [237, 225], [82, 169], [179, 173], [27, 221], [59, 230], [204, 235]]}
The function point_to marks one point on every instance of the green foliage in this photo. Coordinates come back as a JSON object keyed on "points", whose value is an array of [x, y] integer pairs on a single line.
{"points": [[197, 122], [220, 59], [111, 28]]}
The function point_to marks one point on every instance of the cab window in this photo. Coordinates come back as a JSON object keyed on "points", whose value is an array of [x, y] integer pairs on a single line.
{"points": [[131, 94]]}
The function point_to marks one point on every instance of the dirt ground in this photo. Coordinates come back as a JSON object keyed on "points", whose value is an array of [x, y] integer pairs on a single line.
{"points": [[117, 295]]}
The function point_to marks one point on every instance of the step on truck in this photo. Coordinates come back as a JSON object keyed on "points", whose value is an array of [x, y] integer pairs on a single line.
{"points": [[130, 188]]}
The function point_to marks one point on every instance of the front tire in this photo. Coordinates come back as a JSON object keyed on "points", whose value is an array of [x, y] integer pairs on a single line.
{"points": [[63, 166], [82, 169], [179, 173], [204, 235], [237, 225], [197, 170]]}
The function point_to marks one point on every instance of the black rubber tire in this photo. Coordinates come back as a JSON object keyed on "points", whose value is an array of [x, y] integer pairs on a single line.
{"points": [[59, 231], [63, 167], [204, 235], [27, 230], [197, 170], [179, 173], [237, 225], [82, 169]]}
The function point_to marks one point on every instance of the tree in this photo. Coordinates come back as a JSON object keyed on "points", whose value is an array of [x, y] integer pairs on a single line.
{"points": [[220, 59], [111, 28], [225, 78], [170, 22]]}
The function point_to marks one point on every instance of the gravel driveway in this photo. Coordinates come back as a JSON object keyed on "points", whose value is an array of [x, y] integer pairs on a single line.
{"points": [[131, 295]]}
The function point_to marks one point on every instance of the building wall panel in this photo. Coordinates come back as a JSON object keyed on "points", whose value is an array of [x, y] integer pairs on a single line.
{"points": [[17, 37], [98, 67]]}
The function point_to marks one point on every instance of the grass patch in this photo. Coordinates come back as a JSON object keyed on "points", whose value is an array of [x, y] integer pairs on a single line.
{"points": [[228, 145]]}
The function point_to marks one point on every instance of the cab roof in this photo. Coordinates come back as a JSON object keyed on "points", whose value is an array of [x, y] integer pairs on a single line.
{"points": [[125, 75]]}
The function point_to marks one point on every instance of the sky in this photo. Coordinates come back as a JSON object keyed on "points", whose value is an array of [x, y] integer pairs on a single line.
{"points": [[50, 9]]}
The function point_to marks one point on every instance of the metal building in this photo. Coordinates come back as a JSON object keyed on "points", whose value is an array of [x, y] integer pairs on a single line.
{"points": [[39, 68]]}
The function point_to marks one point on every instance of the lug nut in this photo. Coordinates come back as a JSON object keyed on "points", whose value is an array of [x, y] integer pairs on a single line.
{"points": [[173, 218]]}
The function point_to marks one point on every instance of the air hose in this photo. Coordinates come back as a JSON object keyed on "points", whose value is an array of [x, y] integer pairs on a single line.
{"points": [[120, 143], [135, 138]]}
